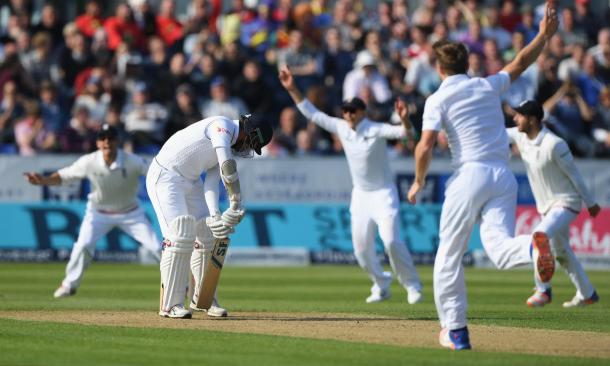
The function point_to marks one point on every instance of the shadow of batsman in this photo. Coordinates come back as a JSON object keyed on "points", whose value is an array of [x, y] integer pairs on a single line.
{"points": [[211, 274]]}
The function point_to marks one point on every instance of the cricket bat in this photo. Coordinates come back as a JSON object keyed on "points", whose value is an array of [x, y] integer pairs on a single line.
{"points": [[211, 274]]}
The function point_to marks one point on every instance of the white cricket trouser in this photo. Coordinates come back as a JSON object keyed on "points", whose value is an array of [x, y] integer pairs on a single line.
{"points": [[380, 208], [556, 225], [487, 194], [173, 195], [94, 226]]}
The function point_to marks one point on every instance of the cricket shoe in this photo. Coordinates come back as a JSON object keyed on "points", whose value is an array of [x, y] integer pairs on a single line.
{"points": [[215, 310], [380, 292], [63, 291], [540, 298], [414, 297], [455, 339], [176, 312], [579, 302], [544, 261]]}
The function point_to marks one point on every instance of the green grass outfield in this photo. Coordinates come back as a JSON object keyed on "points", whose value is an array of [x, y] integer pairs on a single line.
{"points": [[495, 297]]}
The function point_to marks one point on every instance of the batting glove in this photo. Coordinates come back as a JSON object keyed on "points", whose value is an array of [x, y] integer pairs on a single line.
{"points": [[218, 227], [232, 217]]}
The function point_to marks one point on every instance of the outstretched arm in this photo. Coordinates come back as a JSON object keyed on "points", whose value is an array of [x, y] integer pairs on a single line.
{"points": [[527, 56], [305, 106], [40, 180]]}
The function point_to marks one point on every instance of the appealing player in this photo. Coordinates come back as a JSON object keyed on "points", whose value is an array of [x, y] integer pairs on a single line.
{"points": [[374, 196], [559, 191], [187, 208], [114, 175], [482, 188]]}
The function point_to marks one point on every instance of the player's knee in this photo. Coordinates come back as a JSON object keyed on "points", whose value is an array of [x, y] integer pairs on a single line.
{"points": [[182, 233]]}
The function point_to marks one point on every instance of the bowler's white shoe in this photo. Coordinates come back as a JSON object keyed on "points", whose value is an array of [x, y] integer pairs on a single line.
{"points": [[63, 291], [578, 301], [176, 312], [381, 291], [215, 309], [414, 297]]}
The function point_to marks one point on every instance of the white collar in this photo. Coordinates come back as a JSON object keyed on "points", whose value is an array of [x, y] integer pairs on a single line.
{"points": [[116, 164], [449, 80], [538, 140]]}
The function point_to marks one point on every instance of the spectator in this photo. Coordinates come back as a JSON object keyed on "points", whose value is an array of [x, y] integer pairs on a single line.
{"points": [[221, 103], [302, 61], [78, 137], [121, 28], [183, 111], [475, 65], [589, 82], [556, 47], [603, 41], [528, 26], [375, 45], [31, 135], [509, 17], [586, 19], [569, 116], [473, 38], [232, 61], [548, 81], [518, 42], [248, 87], [365, 74], [91, 21], [337, 63], [601, 123], [494, 30], [73, 59], [286, 133], [38, 61], [11, 110], [421, 77], [604, 66], [52, 110], [50, 24], [113, 118], [305, 144], [569, 68], [203, 74], [568, 31], [169, 29], [144, 120], [491, 57], [91, 98], [144, 16]]}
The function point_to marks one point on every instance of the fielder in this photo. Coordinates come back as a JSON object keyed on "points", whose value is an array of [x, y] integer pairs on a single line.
{"points": [[559, 191], [482, 188], [374, 196], [187, 208], [114, 175]]}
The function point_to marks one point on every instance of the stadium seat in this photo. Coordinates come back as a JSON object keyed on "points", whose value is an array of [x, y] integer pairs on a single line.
{"points": [[8, 149], [151, 149]]}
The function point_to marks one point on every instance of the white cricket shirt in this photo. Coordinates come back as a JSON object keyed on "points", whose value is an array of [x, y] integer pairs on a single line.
{"points": [[551, 171], [365, 148], [114, 188], [192, 150], [470, 112]]}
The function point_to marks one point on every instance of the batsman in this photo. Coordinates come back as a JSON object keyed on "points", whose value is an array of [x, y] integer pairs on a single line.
{"points": [[195, 231]]}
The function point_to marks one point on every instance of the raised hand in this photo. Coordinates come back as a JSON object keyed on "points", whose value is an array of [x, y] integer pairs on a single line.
{"points": [[401, 108], [550, 22], [286, 78], [33, 178]]}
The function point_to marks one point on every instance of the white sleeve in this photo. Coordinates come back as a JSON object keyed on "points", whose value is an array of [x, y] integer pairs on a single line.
{"points": [[564, 159], [433, 116], [500, 82], [221, 133], [512, 133], [390, 132], [77, 170], [211, 186], [316, 116], [349, 86]]}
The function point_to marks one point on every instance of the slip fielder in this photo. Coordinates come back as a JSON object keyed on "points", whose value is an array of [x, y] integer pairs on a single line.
{"points": [[482, 188], [187, 208], [559, 191], [374, 200], [114, 175]]}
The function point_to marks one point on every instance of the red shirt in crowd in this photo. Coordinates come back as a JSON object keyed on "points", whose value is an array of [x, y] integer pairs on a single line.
{"points": [[88, 24], [168, 29], [119, 31]]}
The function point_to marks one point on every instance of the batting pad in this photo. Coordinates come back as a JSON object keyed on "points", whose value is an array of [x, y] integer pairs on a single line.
{"points": [[175, 261]]}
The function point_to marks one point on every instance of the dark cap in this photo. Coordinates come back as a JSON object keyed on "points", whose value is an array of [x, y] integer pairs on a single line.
{"points": [[531, 108], [107, 131], [259, 132], [353, 104]]}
